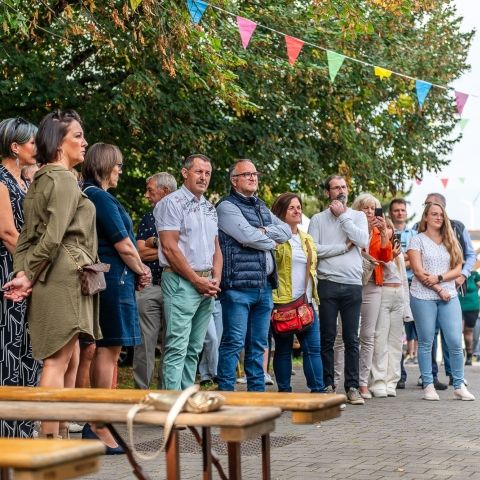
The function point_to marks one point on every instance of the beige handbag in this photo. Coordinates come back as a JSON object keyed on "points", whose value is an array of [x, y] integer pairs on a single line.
{"points": [[191, 400], [368, 263]]}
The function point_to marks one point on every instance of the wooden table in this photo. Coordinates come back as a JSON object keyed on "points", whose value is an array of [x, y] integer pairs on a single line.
{"points": [[44, 459], [236, 424]]}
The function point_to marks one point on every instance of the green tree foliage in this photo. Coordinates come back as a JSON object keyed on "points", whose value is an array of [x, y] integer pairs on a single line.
{"points": [[145, 78]]}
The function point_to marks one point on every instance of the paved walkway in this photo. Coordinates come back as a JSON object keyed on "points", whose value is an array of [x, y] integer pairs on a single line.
{"points": [[394, 438]]}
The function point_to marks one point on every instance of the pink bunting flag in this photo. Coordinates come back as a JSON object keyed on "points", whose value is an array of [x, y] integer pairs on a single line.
{"points": [[246, 28], [461, 99], [418, 181], [444, 182], [294, 45]]}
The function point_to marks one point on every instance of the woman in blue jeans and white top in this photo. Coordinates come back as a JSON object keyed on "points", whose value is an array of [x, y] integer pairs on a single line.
{"points": [[436, 260], [291, 258]]}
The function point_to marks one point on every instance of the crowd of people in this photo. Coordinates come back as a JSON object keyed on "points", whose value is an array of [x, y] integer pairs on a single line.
{"points": [[200, 281]]}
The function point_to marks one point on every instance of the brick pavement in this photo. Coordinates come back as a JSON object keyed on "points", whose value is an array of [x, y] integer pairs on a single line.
{"points": [[393, 438]]}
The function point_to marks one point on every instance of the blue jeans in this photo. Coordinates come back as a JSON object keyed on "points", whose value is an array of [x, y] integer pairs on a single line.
{"points": [[312, 361], [449, 317], [246, 319]]}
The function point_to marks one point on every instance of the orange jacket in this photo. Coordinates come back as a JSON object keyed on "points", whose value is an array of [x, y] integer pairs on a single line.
{"points": [[383, 254]]}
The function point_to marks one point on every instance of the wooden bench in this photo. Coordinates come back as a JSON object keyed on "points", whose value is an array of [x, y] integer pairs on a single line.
{"points": [[305, 407], [43, 459], [236, 424]]}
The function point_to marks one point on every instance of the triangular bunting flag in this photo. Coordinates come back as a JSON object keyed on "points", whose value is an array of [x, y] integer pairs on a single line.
{"points": [[463, 123], [461, 99], [422, 90], [382, 72], [462, 179], [294, 45], [335, 61], [134, 4], [444, 182], [246, 28], [418, 181], [197, 9]]}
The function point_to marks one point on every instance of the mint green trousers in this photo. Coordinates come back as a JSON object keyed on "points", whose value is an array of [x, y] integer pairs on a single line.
{"points": [[187, 314]]}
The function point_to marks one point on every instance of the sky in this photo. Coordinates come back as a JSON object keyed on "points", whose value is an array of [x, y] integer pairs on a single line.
{"points": [[463, 173]]}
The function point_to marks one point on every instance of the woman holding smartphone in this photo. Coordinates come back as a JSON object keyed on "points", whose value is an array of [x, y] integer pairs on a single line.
{"points": [[380, 248], [436, 260]]}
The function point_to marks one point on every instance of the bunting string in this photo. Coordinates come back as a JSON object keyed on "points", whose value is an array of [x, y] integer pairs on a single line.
{"points": [[335, 60]]}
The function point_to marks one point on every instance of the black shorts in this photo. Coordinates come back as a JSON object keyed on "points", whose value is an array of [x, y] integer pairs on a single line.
{"points": [[470, 318]]}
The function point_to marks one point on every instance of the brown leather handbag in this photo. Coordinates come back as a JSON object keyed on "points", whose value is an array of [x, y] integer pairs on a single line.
{"points": [[92, 277]]}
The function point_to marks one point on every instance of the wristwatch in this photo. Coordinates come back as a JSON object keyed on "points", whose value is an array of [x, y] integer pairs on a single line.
{"points": [[155, 242], [440, 278]]}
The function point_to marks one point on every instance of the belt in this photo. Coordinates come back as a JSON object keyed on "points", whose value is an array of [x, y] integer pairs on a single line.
{"points": [[392, 285], [200, 273]]}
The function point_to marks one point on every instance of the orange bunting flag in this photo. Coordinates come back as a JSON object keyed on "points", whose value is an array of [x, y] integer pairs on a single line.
{"points": [[294, 45], [246, 28], [444, 182], [382, 72]]}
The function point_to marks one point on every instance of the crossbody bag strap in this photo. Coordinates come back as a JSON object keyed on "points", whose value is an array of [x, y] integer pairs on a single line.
{"points": [[309, 264], [79, 268]]}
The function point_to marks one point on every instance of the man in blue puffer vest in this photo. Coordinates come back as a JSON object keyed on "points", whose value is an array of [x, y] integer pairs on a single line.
{"points": [[248, 233]]}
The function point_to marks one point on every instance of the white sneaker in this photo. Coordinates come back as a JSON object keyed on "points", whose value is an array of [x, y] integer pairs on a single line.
{"points": [[268, 379], [74, 427], [242, 380], [463, 394], [429, 393]]}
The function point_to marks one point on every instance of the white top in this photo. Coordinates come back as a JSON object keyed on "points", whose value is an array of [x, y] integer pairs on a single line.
{"points": [[195, 219], [299, 269], [336, 262], [390, 273], [435, 260]]}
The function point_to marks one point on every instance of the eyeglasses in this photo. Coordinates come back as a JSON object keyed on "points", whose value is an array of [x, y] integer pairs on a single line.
{"points": [[248, 175], [339, 187]]}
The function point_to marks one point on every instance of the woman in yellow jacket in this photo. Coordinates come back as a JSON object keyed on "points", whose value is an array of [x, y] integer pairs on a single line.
{"points": [[291, 258]]}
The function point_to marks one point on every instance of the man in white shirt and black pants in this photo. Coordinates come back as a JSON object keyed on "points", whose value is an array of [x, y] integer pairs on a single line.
{"points": [[339, 234]]}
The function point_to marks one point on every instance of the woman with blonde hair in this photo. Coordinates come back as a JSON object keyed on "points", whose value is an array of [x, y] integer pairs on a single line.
{"points": [[436, 260], [380, 248]]}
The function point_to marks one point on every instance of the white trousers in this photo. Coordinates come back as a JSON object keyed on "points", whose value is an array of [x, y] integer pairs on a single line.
{"points": [[387, 353]]}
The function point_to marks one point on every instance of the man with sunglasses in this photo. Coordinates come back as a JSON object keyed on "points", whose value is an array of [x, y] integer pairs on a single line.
{"points": [[339, 234], [248, 233]]}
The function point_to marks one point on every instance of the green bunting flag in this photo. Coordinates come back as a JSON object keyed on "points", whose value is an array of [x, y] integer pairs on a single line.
{"points": [[463, 123], [335, 61]]}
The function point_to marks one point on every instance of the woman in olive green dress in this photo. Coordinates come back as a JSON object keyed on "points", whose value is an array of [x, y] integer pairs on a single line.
{"points": [[59, 225]]}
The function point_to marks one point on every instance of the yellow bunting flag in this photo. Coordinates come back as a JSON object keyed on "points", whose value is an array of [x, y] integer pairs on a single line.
{"points": [[382, 72], [135, 3]]}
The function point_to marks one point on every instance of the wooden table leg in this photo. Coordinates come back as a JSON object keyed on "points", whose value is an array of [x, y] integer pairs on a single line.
{"points": [[173, 456], [266, 470], [234, 461], [207, 453], [5, 474]]}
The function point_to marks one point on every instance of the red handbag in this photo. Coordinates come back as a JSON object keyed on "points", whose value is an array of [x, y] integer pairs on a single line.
{"points": [[293, 317], [296, 316]]}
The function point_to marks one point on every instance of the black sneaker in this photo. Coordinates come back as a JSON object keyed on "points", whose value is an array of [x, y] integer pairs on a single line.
{"points": [[439, 385], [401, 384]]}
